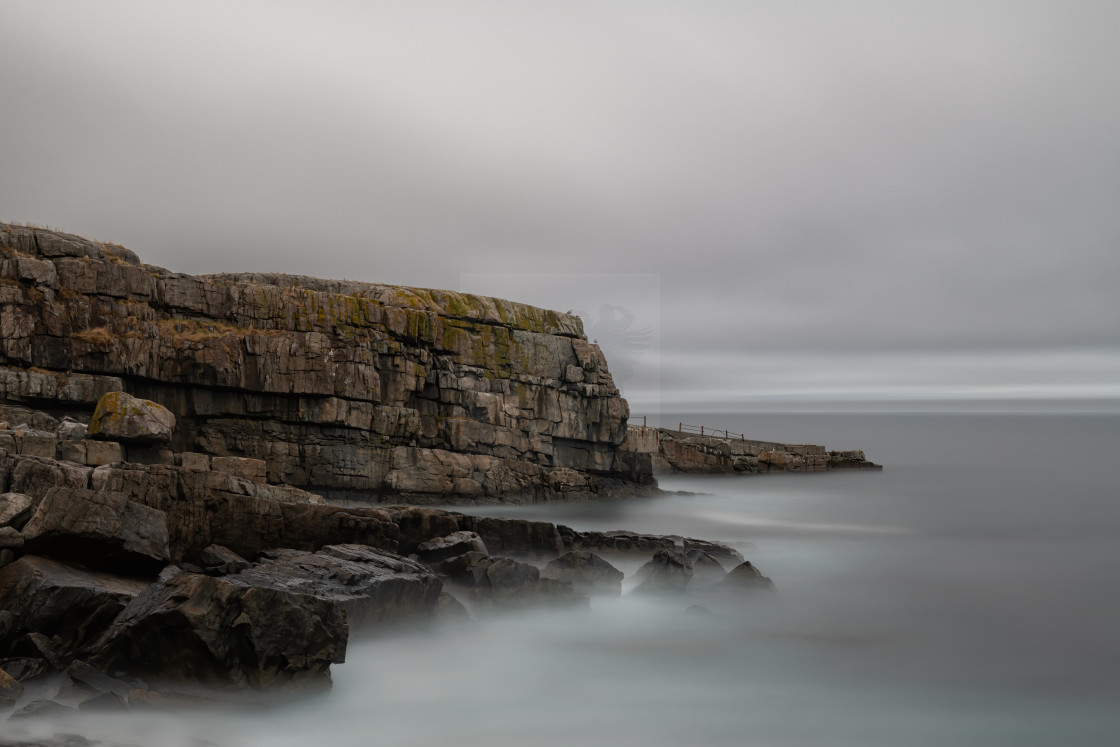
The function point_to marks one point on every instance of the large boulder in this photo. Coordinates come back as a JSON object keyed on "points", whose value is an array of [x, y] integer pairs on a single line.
{"points": [[122, 417], [586, 572], [69, 604], [196, 630], [371, 586], [100, 529]]}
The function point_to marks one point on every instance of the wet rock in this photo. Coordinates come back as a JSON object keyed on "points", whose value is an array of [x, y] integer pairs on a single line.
{"points": [[10, 689], [83, 679], [630, 544], [586, 572], [53, 599], [43, 709], [450, 609], [746, 576], [453, 544], [515, 537], [221, 560], [204, 631], [668, 571], [706, 570], [100, 529], [122, 417], [108, 701], [371, 586], [24, 668]]}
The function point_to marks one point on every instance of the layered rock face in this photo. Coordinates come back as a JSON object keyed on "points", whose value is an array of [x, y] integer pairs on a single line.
{"points": [[355, 391]]}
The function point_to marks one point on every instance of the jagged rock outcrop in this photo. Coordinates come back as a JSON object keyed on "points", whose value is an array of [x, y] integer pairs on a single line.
{"points": [[356, 391]]}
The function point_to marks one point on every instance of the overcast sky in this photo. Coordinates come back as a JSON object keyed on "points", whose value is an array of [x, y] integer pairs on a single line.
{"points": [[853, 200]]}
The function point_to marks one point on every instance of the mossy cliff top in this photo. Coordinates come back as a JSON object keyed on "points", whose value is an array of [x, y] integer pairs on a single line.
{"points": [[331, 301]]}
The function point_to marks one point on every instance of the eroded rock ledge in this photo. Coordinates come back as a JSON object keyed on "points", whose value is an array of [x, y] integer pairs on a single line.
{"points": [[144, 583], [356, 391]]}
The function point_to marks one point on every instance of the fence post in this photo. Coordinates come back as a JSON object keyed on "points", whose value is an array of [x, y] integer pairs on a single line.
{"points": [[701, 430], [725, 434], [680, 427]]}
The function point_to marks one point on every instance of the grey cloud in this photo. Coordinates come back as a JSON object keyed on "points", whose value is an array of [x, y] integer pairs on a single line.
{"points": [[907, 177]]}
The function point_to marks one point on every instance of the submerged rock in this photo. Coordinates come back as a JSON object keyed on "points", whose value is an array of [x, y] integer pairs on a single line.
{"points": [[586, 572], [668, 571], [746, 576]]}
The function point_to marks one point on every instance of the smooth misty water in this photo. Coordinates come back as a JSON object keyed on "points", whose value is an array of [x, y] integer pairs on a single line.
{"points": [[968, 595]]}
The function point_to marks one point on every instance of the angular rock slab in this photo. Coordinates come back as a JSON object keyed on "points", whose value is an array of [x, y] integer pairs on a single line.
{"points": [[99, 529], [72, 604], [196, 630], [586, 572], [122, 417], [371, 586]]}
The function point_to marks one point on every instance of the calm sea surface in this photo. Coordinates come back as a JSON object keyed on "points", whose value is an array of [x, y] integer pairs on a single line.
{"points": [[967, 595]]}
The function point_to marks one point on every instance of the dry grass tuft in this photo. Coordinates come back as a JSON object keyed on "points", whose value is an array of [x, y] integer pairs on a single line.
{"points": [[95, 336]]}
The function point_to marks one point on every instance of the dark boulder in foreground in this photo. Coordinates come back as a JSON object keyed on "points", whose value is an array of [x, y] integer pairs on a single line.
{"points": [[211, 632], [586, 572], [62, 606]]}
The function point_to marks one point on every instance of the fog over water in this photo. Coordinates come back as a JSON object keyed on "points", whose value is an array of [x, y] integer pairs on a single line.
{"points": [[966, 595]]}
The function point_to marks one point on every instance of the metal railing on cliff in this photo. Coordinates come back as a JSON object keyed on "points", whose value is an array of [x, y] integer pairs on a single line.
{"points": [[697, 430]]}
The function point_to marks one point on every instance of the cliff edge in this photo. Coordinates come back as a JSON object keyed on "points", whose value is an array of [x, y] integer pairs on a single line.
{"points": [[356, 391]]}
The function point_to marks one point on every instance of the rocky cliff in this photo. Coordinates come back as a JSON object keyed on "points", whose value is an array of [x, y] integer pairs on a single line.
{"points": [[352, 390]]}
